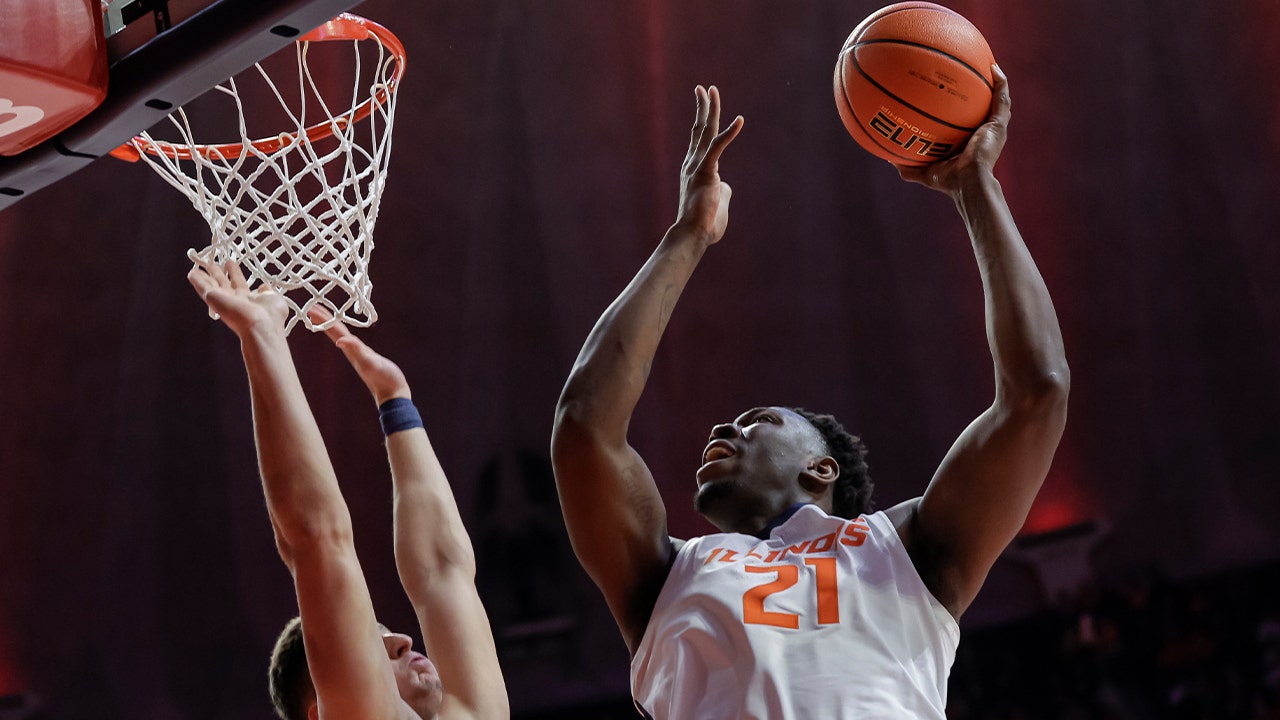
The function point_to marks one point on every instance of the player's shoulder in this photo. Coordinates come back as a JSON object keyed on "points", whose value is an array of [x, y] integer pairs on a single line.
{"points": [[903, 517], [681, 547]]}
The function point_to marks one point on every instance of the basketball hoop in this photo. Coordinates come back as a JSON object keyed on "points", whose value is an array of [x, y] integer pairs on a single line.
{"points": [[296, 210]]}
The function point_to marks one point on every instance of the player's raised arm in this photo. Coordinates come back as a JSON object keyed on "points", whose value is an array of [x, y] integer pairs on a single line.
{"points": [[433, 551], [980, 496], [614, 514], [345, 652]]}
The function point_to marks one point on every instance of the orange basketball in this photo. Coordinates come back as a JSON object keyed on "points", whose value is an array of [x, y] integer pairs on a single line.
{"points": [[913, 82]]}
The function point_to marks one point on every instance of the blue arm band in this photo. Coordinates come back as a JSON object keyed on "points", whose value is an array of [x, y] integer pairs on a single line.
{"points": [[398, 414]]}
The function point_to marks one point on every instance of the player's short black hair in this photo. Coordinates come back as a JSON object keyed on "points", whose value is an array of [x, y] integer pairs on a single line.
{"points": [[290, 678], [851, 495]]}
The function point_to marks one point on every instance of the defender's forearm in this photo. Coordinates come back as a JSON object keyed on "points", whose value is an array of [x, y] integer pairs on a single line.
{"points": [[301, 490], [430, 537]]}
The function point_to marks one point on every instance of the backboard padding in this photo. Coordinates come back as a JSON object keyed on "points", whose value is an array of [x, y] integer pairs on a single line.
{"points": [[213, 44]]}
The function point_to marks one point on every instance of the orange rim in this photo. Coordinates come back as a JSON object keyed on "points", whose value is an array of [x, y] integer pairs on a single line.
{"points": [[343, 27]]}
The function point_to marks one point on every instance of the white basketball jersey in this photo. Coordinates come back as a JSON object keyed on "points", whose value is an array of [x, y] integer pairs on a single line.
{"points": [[826, 619]]}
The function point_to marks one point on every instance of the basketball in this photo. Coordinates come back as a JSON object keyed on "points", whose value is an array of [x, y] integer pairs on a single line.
{"points": [[913, 81]]}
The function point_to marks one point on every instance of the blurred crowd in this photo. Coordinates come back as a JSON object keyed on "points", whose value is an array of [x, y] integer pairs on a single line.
{"points": [[1143, 649]]}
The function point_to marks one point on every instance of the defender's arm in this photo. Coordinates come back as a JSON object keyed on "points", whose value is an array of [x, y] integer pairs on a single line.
{"points": [[345, 652], [433, 551]]}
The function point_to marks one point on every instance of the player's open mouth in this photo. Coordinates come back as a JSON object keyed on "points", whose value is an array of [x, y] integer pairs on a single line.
{"points": [[718, 450]]}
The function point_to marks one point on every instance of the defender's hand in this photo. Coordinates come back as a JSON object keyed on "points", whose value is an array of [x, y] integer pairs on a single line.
{"points": [[227, 293], [704, 198], [980, 153], [383, 377]]}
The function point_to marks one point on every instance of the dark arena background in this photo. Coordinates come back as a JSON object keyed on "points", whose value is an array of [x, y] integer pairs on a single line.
{"points": [[535, 167]]}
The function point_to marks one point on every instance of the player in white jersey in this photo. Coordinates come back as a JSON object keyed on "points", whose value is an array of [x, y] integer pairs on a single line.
{"points": [[806, 606], [335, 660]]}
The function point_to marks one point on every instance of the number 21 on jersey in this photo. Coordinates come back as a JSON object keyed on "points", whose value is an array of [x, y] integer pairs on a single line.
{"points": [[824, 587]]}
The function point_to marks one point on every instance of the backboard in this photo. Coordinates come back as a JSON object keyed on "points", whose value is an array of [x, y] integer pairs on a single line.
{"points": [[162, 54]]}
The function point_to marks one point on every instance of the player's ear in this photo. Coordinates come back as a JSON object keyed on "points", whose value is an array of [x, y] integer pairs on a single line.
{"points": [[820, 473], [313, 710]]}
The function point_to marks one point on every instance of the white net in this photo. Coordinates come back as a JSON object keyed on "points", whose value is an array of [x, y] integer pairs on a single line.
{"points": [[296, 211]]}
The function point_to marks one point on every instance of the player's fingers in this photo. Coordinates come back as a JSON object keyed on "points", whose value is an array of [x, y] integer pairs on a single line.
{"points": [[319, 316], [696, 132], [710, 121], [236, 275], [703, 131], [262, 290], [200, 280], [360, 356], [211, 269], [350, 345], [700, 122], [914, 174], [1001, 102], [713, 113], [988, 140], [722, 141]]}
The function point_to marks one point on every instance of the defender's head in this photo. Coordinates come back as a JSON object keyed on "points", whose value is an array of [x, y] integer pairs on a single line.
{"points": [[770, 458], [294, 695]]}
